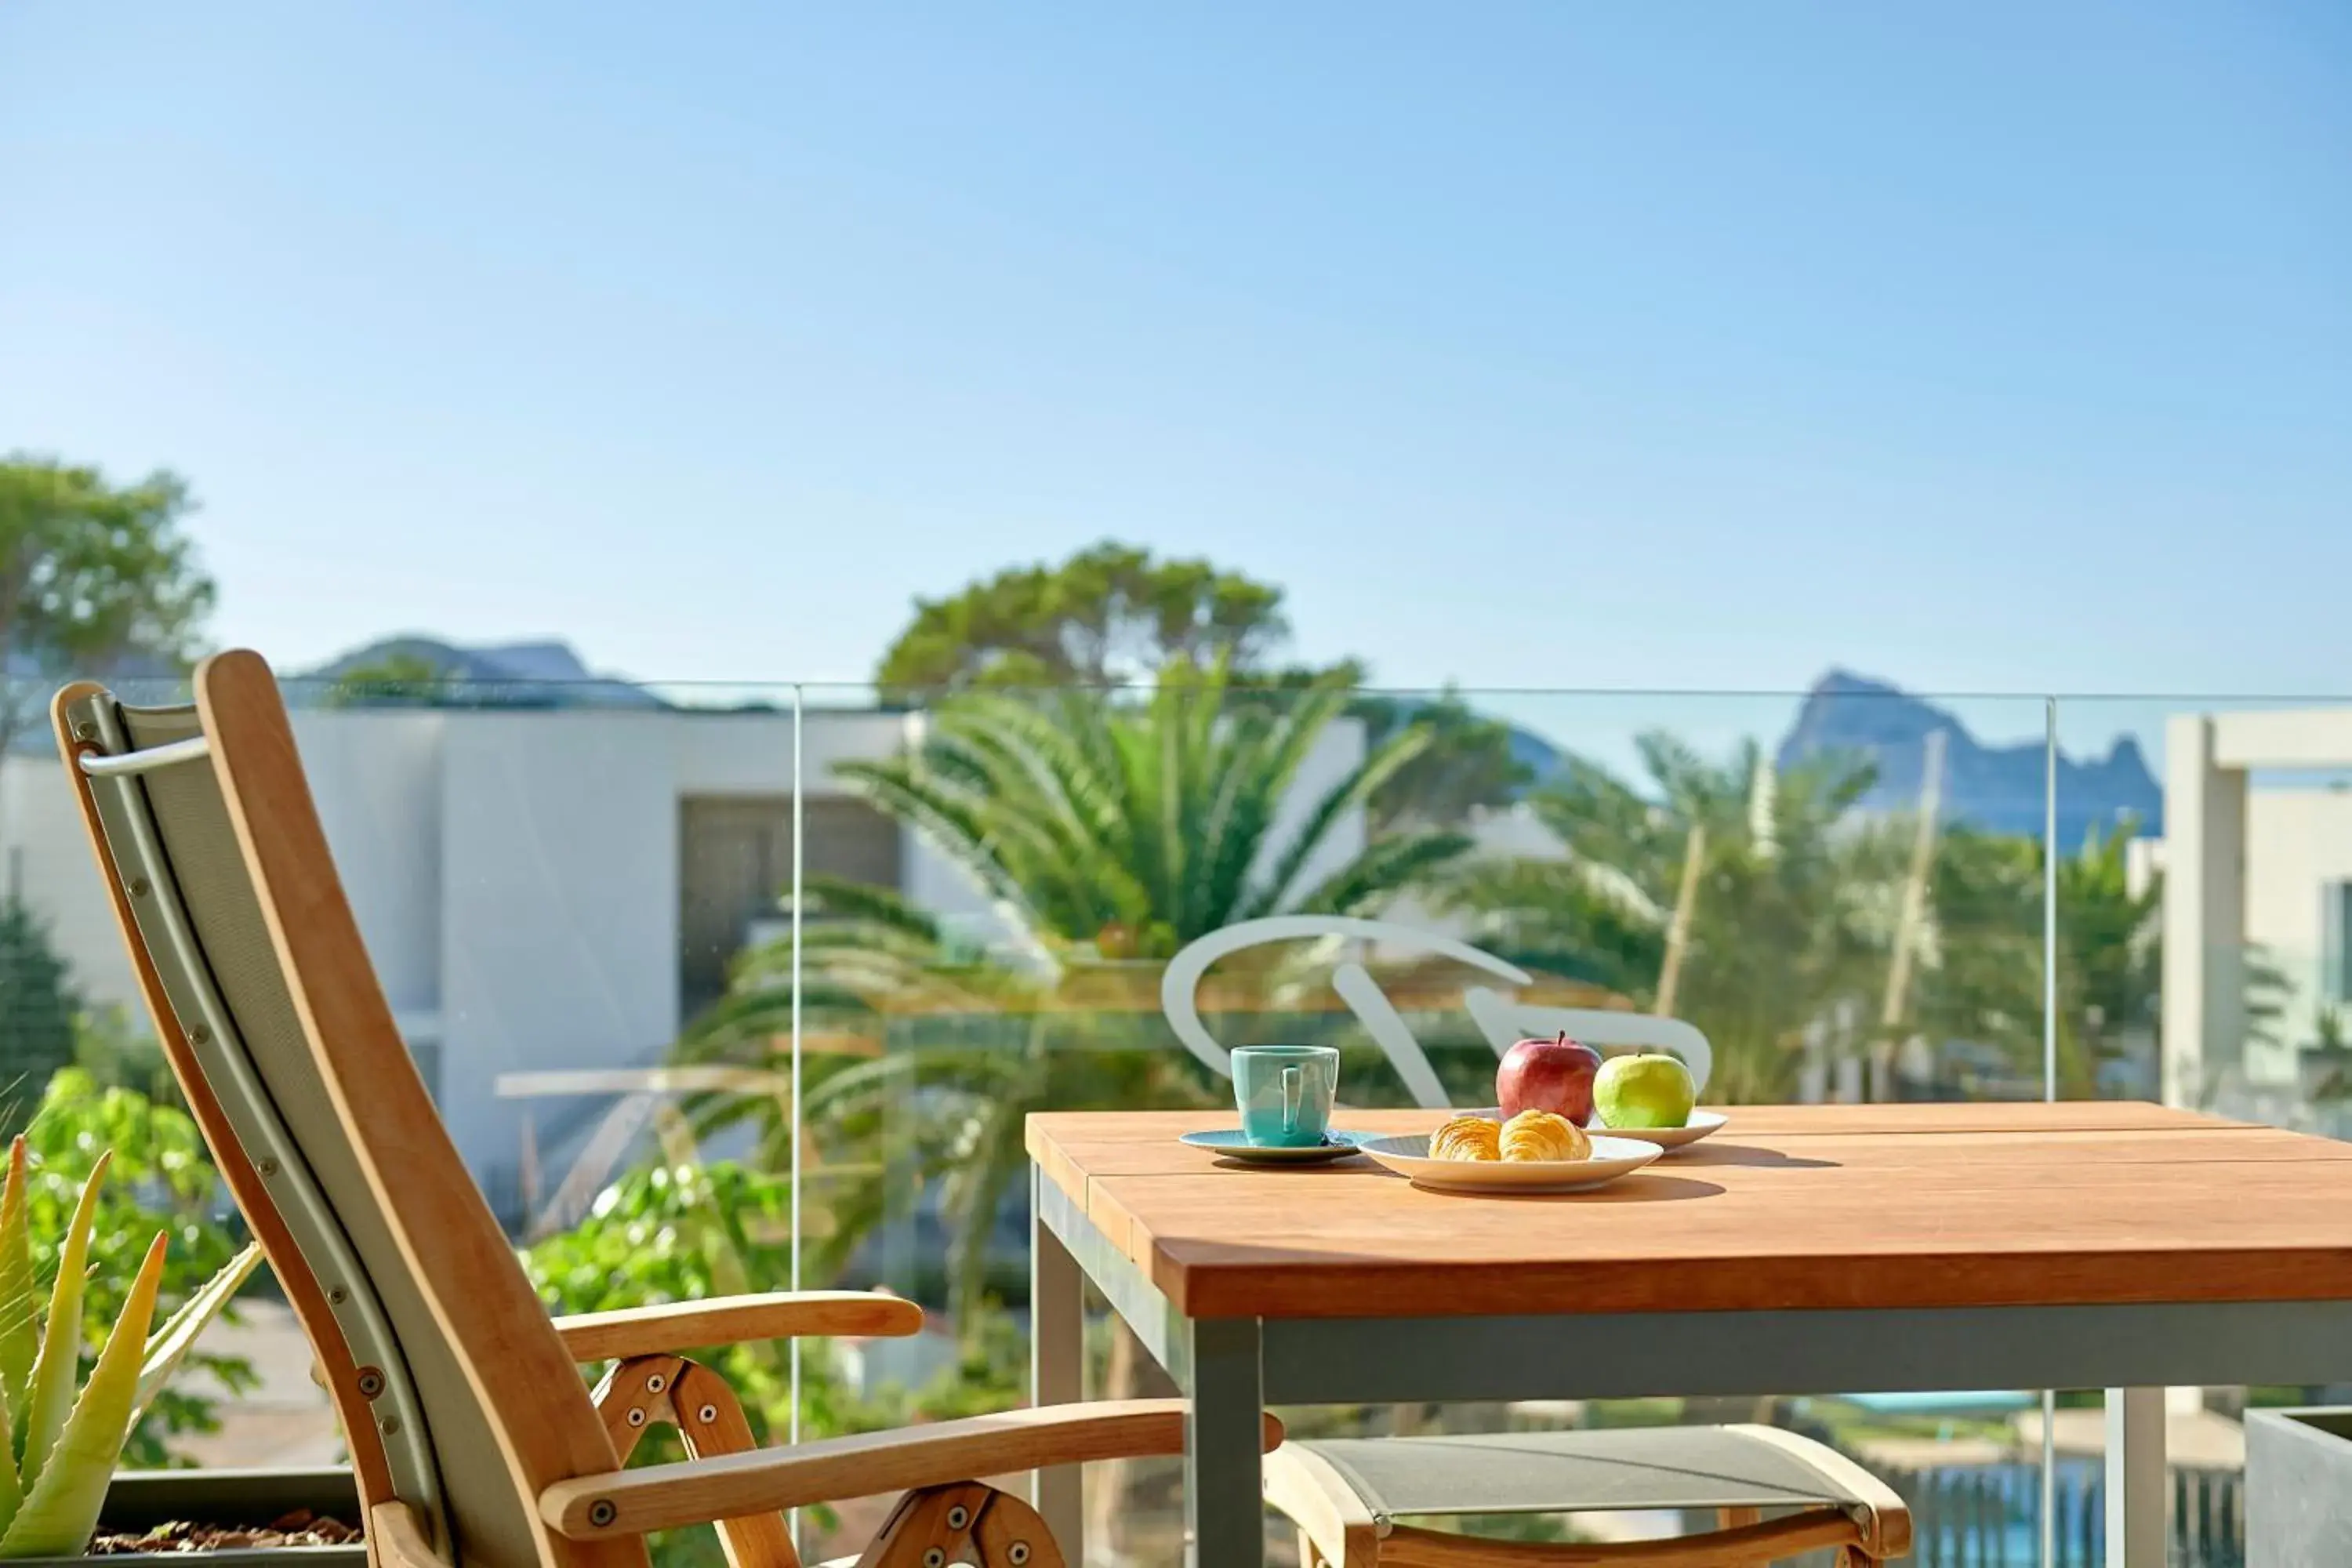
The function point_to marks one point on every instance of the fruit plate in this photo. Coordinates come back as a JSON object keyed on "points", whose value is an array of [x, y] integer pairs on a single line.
{"points": [[1612, 1158], [1700, 1124]]}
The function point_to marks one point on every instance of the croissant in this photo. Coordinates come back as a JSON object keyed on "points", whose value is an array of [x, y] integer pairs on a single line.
{"points": [[1467, 1137], [1540, 1136]]}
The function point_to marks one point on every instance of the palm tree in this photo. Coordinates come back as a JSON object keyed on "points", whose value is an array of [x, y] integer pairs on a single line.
{"points": [[1788, 917], [1987, 982], [1107, 832]]}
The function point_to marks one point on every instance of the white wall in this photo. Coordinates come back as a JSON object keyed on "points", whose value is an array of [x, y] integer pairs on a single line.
{"points": [[2297, 841], [376, 777], [515, 873], [559, 922], [45, 858]]}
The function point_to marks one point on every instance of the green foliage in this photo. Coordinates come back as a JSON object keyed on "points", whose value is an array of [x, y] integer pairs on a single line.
{"points": [[1792, 919], [1987, 899], [687, 1232], [115, 1054], [991, 1373], [1135, 828], [2329, 1055], [162, 1182], [1109, 613], [396, 680], [93, 573], [37, 1014]]}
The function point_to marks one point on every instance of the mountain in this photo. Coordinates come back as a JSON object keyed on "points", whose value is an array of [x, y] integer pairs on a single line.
{"points": [[504, 675], [1999, 788]]}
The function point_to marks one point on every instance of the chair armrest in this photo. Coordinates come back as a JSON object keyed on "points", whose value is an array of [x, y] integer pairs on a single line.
{"points": [[677, 1326], [696, 1491]]}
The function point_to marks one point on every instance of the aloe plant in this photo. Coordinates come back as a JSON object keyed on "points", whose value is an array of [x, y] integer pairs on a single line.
{"points": [[59, 1446]]}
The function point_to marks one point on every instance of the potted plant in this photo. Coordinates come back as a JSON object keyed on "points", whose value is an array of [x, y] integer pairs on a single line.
{"points": [[2299, 1487], [62, 1433]]}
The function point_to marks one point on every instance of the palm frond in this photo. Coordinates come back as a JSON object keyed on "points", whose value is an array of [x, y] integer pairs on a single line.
{"points": [[1383, 871], [1349, 795]]}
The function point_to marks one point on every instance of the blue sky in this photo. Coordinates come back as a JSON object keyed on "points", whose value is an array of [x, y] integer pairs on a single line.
{"points": [[1983, 347]]}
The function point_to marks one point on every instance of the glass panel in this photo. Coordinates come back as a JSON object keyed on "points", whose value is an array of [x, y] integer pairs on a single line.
{"points": [[570, 891], [2201, 952], [1028, 974]]}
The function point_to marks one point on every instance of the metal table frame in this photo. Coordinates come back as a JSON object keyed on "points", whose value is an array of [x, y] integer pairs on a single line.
{"points": [[1233, 1368]]}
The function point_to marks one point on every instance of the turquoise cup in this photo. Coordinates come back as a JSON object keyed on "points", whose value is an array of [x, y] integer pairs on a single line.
{"points": [[1285, 1093]]}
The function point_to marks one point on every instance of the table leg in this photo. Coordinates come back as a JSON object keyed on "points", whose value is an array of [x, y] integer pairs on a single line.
{"points": [[1224, 1485], [2136, 1478], [1057, 1360]]}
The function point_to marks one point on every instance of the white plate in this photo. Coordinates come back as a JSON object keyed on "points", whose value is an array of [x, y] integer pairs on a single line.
{"points": [[1612, 1158], [1701, 1123]]}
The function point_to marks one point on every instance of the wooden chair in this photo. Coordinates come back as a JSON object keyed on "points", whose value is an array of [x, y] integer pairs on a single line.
{"points": [[474, 1439], [1347, 1497]]}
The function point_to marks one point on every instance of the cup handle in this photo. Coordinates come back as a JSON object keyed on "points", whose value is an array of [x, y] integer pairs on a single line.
{"points": [[1294, 1091]]}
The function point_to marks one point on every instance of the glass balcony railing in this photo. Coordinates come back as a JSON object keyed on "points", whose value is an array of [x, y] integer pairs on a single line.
{"points": [[627, 930]]}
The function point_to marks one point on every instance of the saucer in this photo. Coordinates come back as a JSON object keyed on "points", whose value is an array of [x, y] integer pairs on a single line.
{"points": [[1230, 1142]]}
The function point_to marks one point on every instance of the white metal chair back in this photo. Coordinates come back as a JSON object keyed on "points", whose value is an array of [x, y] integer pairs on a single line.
{"points": [[1502, 1019]]}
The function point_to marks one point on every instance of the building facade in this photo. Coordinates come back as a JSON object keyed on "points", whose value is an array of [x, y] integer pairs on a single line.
{"points": [[558, 889], [2257, 865]]}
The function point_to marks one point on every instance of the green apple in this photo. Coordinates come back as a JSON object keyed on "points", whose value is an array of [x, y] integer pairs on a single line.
{"points": [[1647, 1091]]}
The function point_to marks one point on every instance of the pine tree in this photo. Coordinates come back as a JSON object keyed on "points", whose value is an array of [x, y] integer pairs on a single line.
{"points": [[38, 1009]]}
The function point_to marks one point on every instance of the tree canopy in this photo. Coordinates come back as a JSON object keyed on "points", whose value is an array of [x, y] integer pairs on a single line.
{"points": [[91, 572], [1111, 613]]}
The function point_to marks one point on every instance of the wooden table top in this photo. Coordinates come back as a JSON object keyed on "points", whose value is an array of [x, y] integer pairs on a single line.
{"points": [[1788, 1206]]}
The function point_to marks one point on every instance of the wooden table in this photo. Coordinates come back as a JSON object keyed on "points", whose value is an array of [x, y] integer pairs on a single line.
{"points": [[1803, 1249]]}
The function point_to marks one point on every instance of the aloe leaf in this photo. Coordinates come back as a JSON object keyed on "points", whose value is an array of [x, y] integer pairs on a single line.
{"points": [[54, 1369], [11, 1493], [168, 1345], [60, 1509], [20, 1339]]}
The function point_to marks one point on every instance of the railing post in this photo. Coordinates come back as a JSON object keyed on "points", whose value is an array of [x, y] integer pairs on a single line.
{"points": [[2136, 1478]]}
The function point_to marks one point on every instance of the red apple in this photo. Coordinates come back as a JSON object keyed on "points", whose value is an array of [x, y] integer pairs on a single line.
{"points": [[1553, 1075]]}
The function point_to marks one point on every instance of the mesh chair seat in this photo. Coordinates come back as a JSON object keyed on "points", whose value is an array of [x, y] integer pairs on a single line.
{"points": [[1563, 1472]]}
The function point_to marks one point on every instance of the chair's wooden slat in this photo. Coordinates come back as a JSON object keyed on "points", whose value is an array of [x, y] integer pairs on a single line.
{"points": [[634, 1397], [711, 1420], [965, 1521], [661, 1497], [674, 1327]]}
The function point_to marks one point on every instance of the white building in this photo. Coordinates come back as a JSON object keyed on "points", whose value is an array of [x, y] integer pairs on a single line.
{"points": [[549, 889], [2257, 862]]}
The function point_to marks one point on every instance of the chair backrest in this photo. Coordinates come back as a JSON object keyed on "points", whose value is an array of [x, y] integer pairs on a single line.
{"points": [[457, 1397]]}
